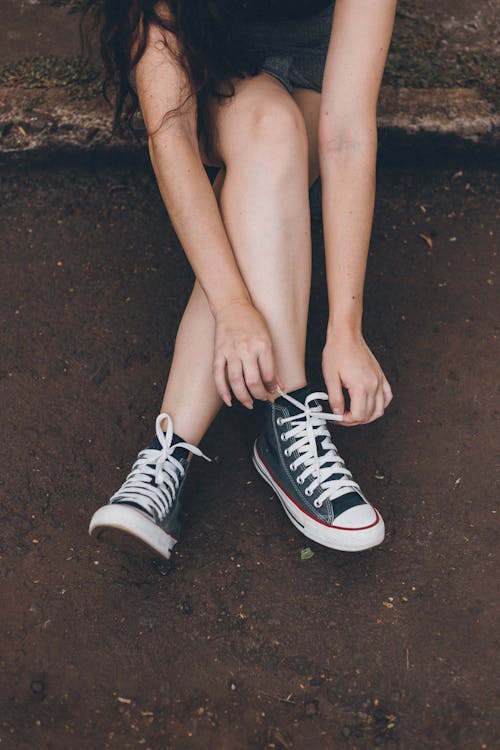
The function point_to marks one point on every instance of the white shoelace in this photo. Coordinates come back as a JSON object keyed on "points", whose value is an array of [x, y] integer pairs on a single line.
{"points": [[156, 474], [306, 427]]}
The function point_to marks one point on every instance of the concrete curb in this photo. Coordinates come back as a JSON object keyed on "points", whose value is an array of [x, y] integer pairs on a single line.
{"points": [[34, 121], [459, 113]]}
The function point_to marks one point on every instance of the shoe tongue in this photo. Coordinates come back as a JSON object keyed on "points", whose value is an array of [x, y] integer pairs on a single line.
{"points": [[299, 395], [179, 453]]}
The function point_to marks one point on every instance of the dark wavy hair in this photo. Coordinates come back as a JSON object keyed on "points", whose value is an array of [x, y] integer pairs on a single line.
{"points": [[209, 35]]}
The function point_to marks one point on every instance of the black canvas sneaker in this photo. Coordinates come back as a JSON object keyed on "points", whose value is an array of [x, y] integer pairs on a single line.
{"points": [[295, 454], [147, 505]]}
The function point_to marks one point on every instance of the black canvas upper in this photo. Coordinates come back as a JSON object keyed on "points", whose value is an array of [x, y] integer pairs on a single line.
{"points": [[271, 450]]}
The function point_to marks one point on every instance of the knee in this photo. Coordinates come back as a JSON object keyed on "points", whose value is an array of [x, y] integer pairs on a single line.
{"points": [[273, 131], [278, 122]]}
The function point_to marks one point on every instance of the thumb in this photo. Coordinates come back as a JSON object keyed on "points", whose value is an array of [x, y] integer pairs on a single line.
{"points": [[335, 395]]}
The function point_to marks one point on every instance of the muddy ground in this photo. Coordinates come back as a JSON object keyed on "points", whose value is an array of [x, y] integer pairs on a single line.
{"points": [[239, 643]]}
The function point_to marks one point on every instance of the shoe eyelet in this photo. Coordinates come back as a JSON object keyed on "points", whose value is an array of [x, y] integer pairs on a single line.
{"points": [[287, 453], [279, 421], [308, 492], [292, 466], [300, 480], [317, 504], [282, 437]]}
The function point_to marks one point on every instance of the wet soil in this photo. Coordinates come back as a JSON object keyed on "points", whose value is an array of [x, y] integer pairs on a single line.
{"points": [[240, 643]]}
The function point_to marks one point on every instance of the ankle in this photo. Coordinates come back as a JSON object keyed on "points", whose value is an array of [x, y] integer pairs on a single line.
{"points": [[180, 452], [291, 385]]}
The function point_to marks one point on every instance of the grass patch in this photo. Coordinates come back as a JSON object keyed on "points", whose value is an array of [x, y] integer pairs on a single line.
{"points": [[80, 78], [72, 6], [414, 64]]}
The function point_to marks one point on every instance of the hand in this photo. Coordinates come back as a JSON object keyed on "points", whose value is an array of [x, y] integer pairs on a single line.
{"points": [[348, 362], [243, 358]]}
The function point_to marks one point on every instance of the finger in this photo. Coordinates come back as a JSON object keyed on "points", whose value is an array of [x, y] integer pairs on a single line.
{"points": [[370, 406], [221, 383], [357, 410], [359, 402], [268, 370], [335, 395], [237, 383], [253, 379], [387, 391], [379, 405]]}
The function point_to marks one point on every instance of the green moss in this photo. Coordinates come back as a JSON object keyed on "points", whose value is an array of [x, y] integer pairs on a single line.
{"points": [[81, 78], [415, 61], [72, 6]]}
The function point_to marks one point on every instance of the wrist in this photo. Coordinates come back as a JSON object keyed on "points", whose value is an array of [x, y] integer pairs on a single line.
{"points": [[224, 305], [344, 325]]}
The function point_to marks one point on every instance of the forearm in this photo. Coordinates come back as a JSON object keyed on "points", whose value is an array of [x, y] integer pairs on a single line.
{"points": [[195, 216], [348, 169]]}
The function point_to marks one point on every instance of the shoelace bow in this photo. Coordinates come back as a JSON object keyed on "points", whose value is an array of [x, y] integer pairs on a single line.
{"points": [[306, 427], [156, 474]]}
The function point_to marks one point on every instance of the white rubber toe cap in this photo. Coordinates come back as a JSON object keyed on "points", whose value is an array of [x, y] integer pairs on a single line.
{"points": [[357, 518]]}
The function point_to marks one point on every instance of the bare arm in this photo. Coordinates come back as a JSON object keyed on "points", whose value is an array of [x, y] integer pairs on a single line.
{"points": [[242, 341], [182, 179], [361, 34]]}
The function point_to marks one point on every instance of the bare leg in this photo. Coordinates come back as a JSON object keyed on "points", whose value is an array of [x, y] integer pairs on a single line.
{"points": [[264, 201], [263, 142], [190, 397]]}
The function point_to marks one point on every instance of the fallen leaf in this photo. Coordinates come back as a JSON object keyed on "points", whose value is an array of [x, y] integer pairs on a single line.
{"points": [[306, 553], [426, 238]]}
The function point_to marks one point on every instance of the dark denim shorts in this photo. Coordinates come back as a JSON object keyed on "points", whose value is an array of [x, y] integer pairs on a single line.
{"points": [[294, 51]]}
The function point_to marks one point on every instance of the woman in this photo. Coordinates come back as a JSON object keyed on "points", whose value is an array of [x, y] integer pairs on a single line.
{"points": [[276, 94]]}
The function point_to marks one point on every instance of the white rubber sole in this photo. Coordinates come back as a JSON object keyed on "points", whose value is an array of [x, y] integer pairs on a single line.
{"points": [[343, 539], [121, 524]]}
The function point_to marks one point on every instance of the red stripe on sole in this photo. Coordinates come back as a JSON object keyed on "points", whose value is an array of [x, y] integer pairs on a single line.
{"points": [[324, 523]]}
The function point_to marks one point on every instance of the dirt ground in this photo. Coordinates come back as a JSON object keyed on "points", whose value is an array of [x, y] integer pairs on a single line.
{"points": [[239, 643], [42, 27], [453, 43]]}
